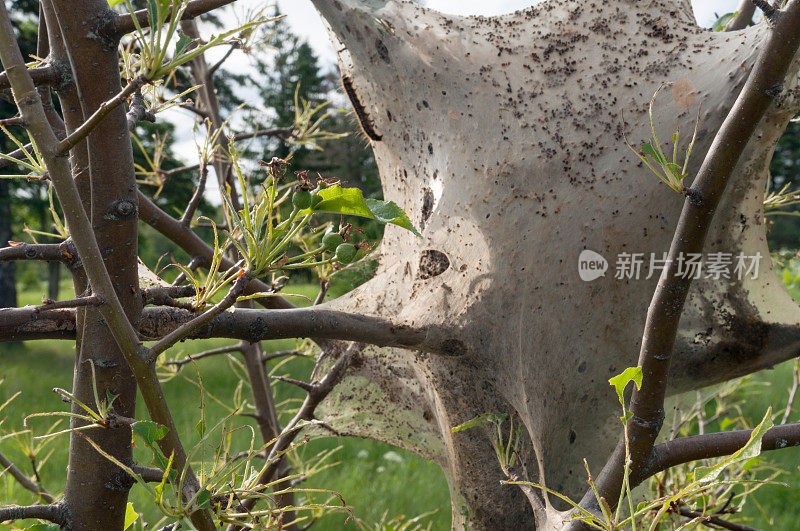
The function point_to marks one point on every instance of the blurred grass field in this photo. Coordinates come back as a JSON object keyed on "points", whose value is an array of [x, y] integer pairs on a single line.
{"points": [[373, 478]]}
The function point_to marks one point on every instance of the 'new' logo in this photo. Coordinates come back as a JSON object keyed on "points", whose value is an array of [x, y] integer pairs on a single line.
{"points": [[591, 265]]}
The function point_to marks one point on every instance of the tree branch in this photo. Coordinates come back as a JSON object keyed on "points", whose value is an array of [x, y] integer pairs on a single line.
{"points": [[51, 513], [41, 75], [319, 392], [188, 327], [24, 480], [205, 354], [259, 325], [707, 446], [123, 24], [763, 85], [17, 324], [64, 252], [150, 475], [746, 11], [98, 115], [194, 202], [713, 520]]}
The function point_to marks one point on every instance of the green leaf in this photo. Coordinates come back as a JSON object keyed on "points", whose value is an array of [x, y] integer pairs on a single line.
{"points": [[621, 381], [130, 516], [152, 14], [389, 212], [112, 3], [182, 44], [480, 420], [350, 201], [674, 170], [722, 22], [200, 427], [648, 149], [204, 499], [149, 431], [42, 527], [751, 450]]}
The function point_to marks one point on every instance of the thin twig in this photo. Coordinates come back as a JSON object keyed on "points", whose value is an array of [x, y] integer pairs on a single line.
{"points": [[205, 354], [79, 302], [123, 24], [306, 412], [212, 69], [191, 208], [187, 328], [714, 521], [26, 482], [281, 354], [792, 392], [83, 131]]}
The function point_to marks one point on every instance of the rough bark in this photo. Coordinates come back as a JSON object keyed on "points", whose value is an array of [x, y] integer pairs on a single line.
{"points": [[8, 284], [96, 490], [502, 137]]}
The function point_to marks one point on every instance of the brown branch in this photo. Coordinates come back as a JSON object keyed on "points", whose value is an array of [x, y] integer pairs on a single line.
{"points": [[665, 310], [278, 132], [180, 169], [17, 153], [64, 252], [83, 131], [51, 513], [149, 474], [280, 354], [194, 202], [212, 69], [320, 322], [123, 24], [190, 326], [19, 324], [23, 324], [713, 521], [710, 445], [744, 18], [23, 480], [196, 110], [205, 354], [41, 75], [79, 302], [138, 112], [166, 295], [319, 391]]}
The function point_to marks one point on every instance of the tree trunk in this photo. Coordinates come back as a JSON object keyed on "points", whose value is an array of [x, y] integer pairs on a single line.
{"points": [[8, 282], [502, 137], [96, 491]]}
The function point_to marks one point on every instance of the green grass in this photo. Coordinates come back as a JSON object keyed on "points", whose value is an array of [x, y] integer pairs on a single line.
{"points": [[372, 477]]}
